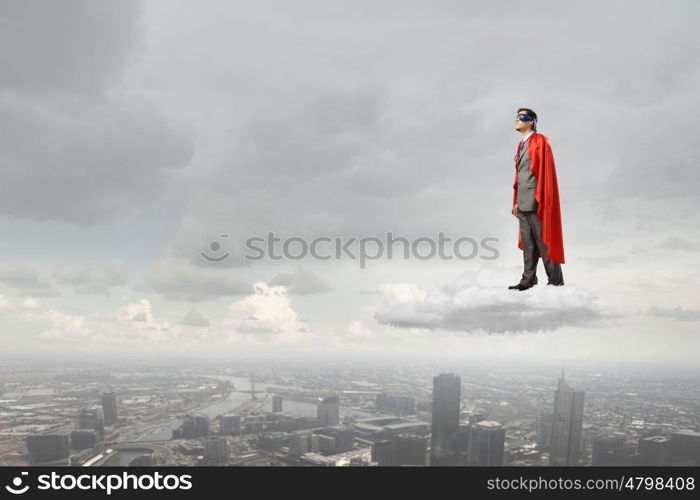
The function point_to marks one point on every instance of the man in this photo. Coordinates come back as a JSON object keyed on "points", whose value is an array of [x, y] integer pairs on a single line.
{"points": [[536, 204]]}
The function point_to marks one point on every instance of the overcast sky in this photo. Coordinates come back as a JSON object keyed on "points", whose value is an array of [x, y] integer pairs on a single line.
{"points": [[134, 134]]}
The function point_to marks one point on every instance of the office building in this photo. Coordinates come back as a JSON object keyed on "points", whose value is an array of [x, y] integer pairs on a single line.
{"points": [[486, 443], [302, 442], [411, 449], [109, 408], [445, 419], [254, 424], [216, 450], [462, 443], [567, 422], [47, 447], [544, 429], [384, 453], [396, 404], [91, 418], [83, 439], [604, 446], [654, 450], [194, 426], [684, 448], [328, 411], [230, 424]]}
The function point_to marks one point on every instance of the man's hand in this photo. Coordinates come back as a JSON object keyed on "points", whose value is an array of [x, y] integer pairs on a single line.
{"points": [[515, 210]]}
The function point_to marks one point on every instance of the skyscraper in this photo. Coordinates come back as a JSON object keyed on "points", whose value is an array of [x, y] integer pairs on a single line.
{"points": [[486, 443], [462, 443], [91, 418], [47, 447], [544, 429], [109, 407], [411, 449], [328, 411], [684, 448], [567, 421], [653, 450], [445, 420], [605, 445], [276, 404], [216, 450], [384, 453], [230, 424], [404, 449]]}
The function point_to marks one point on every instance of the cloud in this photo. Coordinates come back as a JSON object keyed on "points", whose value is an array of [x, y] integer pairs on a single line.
{"points": [[6, 304], [606, 261], [133, 323], [301, 281], [178, 279], [678, 313], [266, 314], [64, 326], [678, 243], [76, 143], [93, 278], [402, 293], [141, 316], [24, 276], [26, 308], [480, 300], [267, 311], [30, 303], [194, 318], [357, 330], [52, 48]]}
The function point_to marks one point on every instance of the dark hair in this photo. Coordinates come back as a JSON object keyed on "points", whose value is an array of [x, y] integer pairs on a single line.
{"points": [[530, 112]]}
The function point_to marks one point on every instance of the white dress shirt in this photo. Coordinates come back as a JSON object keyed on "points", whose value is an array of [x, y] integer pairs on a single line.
{"points": [[527, 136]]}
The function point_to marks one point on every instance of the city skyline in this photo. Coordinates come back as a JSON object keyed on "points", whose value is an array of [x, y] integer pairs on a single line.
{"points": [[345, 414]]}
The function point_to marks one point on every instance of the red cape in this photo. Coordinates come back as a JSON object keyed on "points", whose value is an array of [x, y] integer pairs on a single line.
{"points": [[546, 194]]}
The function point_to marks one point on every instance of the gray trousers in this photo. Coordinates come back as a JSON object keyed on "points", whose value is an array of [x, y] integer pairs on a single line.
{"points": [[533, 249]]}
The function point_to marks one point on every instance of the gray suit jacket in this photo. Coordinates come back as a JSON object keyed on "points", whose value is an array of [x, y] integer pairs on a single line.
{"points": [[527, 183]]}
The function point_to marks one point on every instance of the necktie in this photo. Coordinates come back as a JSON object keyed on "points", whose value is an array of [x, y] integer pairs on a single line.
{"points": [[520, 148]]}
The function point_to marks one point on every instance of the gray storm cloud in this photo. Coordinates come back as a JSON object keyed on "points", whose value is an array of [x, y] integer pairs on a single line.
{"points": [[77, 144]]}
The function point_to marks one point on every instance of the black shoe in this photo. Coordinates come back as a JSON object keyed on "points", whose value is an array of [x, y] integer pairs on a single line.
{"points": [[555, 284], [520, 287]]}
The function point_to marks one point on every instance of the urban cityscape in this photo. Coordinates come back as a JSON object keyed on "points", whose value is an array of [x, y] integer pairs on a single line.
{"points": [[274, 413]]}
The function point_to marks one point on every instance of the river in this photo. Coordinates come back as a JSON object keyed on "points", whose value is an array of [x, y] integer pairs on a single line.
{"points": [[231, 403]]}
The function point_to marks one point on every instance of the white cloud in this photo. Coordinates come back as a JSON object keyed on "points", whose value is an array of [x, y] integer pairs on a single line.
{"points": [[141, 316], [401, 293], [267, 311], [63, 326], [480, 300], [30, 303], [358, 330], [131, 323], [6, 304]]}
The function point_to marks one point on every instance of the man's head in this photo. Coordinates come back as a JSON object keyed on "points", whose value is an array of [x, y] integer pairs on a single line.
{"points": [[526, 120]]}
